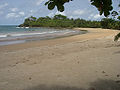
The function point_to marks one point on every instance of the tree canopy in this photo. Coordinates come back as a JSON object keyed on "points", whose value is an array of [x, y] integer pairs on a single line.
{"points": [[61, 21], [103, 6]]}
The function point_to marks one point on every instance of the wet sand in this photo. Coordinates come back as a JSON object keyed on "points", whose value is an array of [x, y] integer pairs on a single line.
{"points": [[83, 62]]}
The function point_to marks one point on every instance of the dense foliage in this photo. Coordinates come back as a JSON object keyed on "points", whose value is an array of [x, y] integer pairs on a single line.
{"points": [[110, 23], [59, 21], [64, 22]]}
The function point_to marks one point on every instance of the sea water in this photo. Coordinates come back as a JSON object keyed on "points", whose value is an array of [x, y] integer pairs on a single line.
{"points": [[10, 34]]}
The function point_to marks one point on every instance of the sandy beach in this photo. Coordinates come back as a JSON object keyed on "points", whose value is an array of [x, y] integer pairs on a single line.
{"points": [[82, 62]]}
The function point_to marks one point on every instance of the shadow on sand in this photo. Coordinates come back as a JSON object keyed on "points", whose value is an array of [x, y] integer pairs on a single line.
{"points": [[97, 85]]}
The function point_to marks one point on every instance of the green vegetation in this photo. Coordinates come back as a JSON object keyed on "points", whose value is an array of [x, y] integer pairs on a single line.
{"points": [[109, 23], [61, 21]]}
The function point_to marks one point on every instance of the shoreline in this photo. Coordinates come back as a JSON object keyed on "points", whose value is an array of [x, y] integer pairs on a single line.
{"points": [[16, 38], [92, 33], [78, 62]]}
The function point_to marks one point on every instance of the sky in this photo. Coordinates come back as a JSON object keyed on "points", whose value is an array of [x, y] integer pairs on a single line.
{"points": [[13, 12]]}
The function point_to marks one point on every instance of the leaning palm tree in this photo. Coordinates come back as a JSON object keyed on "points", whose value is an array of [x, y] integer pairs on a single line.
{"points": [[117, 37]]}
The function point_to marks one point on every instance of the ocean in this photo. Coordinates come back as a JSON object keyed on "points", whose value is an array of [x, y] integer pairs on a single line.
{"points": [[10, 34]]}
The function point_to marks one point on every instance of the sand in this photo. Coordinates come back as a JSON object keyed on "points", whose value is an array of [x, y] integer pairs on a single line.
{"points": [[83, 62]]}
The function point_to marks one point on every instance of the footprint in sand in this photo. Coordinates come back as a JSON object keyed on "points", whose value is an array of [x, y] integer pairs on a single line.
{"points": [[118, 75], [103, 71], [53, 54], [30, 78]]}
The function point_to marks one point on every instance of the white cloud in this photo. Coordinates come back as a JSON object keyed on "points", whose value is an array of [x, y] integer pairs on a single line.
{"points": [[15, 15], [21, 13], [75, 17], [51, 14], [39, 2], [14, 9], [11, 15], [79, 12], [3, 5], [30, 13], [62, 13], [96, 16], [56, 13], [91, 16]]}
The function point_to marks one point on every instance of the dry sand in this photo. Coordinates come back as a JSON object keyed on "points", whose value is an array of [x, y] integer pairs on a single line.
{"points": [[83, 62]]}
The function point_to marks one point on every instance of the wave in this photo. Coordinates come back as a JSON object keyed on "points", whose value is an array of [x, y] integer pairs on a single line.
{"points": [[3, 36], [22, 37], [34, 33], [23, 27]]}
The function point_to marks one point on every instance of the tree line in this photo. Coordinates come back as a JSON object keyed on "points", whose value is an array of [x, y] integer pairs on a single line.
{"points": [[61, 21]]}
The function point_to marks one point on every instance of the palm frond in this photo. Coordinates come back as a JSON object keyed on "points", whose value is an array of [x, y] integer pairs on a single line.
{"points": [[117, 37]]}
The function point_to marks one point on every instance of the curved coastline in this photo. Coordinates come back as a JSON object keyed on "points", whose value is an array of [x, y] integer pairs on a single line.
{"points": [[36, 36], [93, 33]]}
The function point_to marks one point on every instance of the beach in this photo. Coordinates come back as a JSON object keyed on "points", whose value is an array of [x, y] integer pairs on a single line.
{"points": [[89, 61]]}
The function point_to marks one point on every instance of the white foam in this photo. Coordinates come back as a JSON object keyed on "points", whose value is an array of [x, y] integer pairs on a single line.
{"points": [[26, 34], [17, 27], [33, 33], [3, 36], [26, 27], [23, 27]]}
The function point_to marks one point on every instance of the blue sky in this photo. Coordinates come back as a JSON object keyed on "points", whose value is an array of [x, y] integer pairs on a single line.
{"points": [[15, 11]]}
